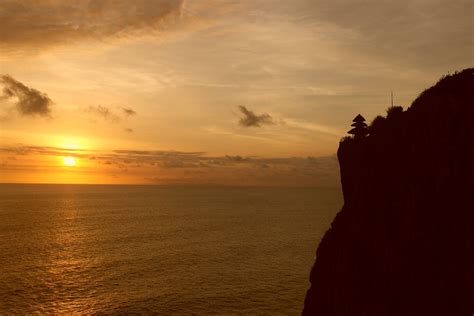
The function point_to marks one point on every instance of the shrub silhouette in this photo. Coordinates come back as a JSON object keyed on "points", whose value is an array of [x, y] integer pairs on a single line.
{"points": [[394, 111], [346, 139], [377, 125]]}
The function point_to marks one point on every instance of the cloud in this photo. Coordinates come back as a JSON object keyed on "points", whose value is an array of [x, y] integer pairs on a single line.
{"points": [[111, 115], [23, 150], [38, 23], [129, 111], [390, 31], [27, 101], [236, 158], [251, 119], [104, 112], [313, 127]]}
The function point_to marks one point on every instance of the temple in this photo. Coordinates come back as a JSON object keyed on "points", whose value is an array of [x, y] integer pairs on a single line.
{"points": [[359, 129]]}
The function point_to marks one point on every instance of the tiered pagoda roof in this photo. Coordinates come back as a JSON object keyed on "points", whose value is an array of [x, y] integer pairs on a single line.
{"points": [[360, 127]]}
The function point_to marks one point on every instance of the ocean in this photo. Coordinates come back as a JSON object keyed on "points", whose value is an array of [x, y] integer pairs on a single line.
{"points": [[86, 249]]}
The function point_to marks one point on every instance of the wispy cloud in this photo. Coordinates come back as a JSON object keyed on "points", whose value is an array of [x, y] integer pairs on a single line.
{"points": [[37, 23], [26, 100], [250, 119], [313, 127], [103, 112], [129, 111], [23, 150], [110, 114]]}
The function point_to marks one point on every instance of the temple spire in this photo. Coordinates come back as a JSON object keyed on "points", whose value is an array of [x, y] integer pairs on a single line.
{"points": [[359, 129]]}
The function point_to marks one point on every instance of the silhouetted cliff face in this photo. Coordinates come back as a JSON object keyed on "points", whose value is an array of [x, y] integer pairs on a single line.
{"points": [[403, 242]]}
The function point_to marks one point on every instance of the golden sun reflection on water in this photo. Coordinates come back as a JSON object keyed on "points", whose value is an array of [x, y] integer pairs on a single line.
{"points": [[70, 268]]}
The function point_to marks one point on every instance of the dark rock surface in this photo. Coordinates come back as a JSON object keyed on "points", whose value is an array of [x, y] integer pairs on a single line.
{"points": [[403, 242]]}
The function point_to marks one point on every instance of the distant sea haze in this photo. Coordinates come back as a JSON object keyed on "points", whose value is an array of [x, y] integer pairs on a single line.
{"points": [[141, 249]]}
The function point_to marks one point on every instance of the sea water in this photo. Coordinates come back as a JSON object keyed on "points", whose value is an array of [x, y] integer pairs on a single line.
{"points": [[157, 249]]}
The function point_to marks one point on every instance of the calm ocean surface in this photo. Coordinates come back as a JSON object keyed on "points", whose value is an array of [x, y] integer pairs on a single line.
{"points": [[151, 249]]}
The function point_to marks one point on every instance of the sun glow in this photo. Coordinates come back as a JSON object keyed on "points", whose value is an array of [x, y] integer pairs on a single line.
{"points": [[69, 161]]}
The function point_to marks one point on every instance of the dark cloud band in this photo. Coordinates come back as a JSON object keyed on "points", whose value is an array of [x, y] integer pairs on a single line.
{"points": [[198, 167]]}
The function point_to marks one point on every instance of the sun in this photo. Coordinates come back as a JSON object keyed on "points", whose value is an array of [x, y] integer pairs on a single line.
{"points": [[69, 161]]}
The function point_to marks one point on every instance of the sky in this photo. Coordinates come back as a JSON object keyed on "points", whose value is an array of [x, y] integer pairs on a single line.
{"points": [[209, 92]]}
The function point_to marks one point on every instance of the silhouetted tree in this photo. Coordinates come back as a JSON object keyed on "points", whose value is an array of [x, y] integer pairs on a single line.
{"points": [[394, 111], [377, 125], [346, 139]]}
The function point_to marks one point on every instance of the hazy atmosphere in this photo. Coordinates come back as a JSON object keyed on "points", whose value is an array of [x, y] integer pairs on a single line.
{"points": [[236, 157], [209, 92]]}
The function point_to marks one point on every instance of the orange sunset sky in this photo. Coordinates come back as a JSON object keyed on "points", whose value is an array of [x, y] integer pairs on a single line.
{"points": [[209, 92]]}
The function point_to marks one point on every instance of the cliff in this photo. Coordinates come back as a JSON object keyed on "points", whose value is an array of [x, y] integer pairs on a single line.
{"points": [[403, 242]]}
